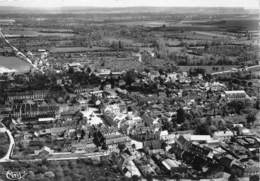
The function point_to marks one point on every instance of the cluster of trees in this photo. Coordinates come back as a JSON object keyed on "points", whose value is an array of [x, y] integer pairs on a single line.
{"points": [[98, 139], [138, 34], [186, 60], [83, 78], [117, 45], [4, 144], [229, 50], [243, 108], [187, 121], [72, 170], [205, 125], [196, 71], [161, 49]]}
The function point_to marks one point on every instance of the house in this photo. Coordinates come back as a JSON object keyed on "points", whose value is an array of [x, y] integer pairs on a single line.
{"points": [[146, 169], [193, 148], [34, 110], [67, 115], [245, 131], [138, 56], [169, 164], [251, 169], [153, 144], [28, 95], [236, 95], [83, 103], [164, 135], [44, 151], [115, 140], [114, 113], [82, 91], [200, 138], [74, 65], [223, 135], [47, 119], [232, 165], [127, 166], [137, 144]]}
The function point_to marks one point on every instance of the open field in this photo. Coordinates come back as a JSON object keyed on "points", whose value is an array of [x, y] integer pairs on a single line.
{"points": [[184, 36], [213, 34], [209, 69], [37, 34], [14, 63], [76, 49], [232, 24]]}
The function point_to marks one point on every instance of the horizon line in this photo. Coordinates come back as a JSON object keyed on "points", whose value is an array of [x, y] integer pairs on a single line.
{"points": [[118, 7]]}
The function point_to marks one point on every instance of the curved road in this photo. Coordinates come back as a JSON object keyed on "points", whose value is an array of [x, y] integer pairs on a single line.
{"points": [[6, 158]]}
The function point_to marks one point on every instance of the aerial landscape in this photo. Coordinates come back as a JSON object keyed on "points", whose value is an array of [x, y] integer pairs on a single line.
{"points": [[129, 92]]}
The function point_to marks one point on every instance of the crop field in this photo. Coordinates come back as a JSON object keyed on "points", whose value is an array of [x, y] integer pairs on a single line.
{"points": [[143, 23], [185, 40], [37, 32], [212, 34], [76, 49], [232, 24], [120, 65], [209, 69], [124, 40]]}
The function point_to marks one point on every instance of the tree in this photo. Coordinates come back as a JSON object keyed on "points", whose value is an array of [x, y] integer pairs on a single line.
{"points": [[135, 178], [161, 48], [254, 178], [237, 106], [99, 140], [180, 115], [117, 45], [233, 178], [130, 77], [120, 45], [251, 117], [203, 129]]}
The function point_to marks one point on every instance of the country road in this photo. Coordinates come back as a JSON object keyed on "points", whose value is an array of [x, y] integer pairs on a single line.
{"points": [[17, 52], [6, 158]]}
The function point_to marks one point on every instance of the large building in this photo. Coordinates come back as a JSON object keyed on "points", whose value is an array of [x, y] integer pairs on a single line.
{"points": [[236, 95], [33, 111], [27, 95]]}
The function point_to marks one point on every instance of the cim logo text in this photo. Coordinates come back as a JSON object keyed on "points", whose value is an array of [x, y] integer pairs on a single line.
{"points": [[15, 175]]}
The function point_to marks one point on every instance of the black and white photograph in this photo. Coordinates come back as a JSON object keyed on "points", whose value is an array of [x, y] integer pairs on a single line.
{"points": [[129, 90]]}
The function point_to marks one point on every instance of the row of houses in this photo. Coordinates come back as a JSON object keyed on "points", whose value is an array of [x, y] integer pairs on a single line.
{"points": [[27, 95], [30, 111]]}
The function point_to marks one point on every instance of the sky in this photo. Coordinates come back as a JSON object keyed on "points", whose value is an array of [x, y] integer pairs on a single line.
{"points": [[128, 3]]}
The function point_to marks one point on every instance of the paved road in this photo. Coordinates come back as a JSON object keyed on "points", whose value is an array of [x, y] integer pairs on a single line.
{"points": [[6, 158], [251, 68], [69, 156]]}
